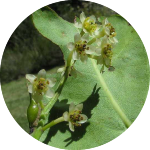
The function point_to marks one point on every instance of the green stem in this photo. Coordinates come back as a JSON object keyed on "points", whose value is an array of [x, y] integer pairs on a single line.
{"points": [[69, 59], [44, 114], [81, 33], [37, 133], [45, 111], [41, 104], [59, 89], [52, 123]]}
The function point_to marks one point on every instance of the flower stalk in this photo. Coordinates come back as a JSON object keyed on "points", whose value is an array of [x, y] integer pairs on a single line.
{"points": [[39, 131], [52, 123], [44, 114]]}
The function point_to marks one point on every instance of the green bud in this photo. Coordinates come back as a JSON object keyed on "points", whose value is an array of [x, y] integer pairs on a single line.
{"points": [[32, 112]]}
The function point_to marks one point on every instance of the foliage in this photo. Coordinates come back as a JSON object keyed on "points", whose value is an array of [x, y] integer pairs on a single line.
{"points": [[111, 101], [126, 87]]}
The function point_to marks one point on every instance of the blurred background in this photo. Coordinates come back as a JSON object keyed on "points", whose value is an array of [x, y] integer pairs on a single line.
{"points": [[27, 52]]}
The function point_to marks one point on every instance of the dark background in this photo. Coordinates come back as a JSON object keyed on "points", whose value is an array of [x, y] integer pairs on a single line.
{"points": [[28, 52]]}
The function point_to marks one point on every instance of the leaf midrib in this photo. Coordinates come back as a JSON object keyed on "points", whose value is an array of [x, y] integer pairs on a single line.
{"points": [[110, 96]]}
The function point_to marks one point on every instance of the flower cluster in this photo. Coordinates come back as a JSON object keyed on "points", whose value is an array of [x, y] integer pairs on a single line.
{"points": [[40, 85], [94, 41], [74, 116]]}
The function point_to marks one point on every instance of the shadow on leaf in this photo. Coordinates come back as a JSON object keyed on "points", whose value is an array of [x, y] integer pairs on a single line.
{"points": [[62, 106]]}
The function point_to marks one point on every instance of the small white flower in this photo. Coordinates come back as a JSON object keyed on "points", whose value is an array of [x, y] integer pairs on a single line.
{"points": [[108, 30], [80, 47], [104, 49], [88, 24], [74, 116], [40, 85]]}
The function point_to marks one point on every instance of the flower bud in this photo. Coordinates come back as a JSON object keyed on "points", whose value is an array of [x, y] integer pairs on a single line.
{"points": [[32, 112]]}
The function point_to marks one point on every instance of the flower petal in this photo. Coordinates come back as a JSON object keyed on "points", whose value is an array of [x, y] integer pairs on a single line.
{"points": [[85, 37], [42, 74], [107, 31], [52, 82], [104, 41], [115, 40], [85, 30], [93, 18], [106, 21], [30, 88], [98, 42], [79, 107], [37, 97], [66, 116], [91, 50], [49, 93], [84, 58], [96, 32], [78, 25], [71, 126], [75, 55], [98, 50], [71, 107], [85, 118], [82, 17], [30, 77], [70, 46], [77, 37], [60, 70]]}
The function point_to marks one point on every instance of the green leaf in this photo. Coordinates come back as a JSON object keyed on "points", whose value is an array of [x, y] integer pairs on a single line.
{"points": [[127, 85], [53, 27]]}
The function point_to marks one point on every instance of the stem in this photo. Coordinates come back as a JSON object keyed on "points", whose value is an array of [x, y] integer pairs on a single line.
{"points": [[30, 97], [69, 59], [48, 107], [41, 104], [52, 123], [44, 114], [37, 133], [59, 89], [81, 33]]}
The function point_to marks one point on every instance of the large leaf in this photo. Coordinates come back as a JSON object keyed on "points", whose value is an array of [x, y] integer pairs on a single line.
{"points": [[127, 85], [57, 29]]}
